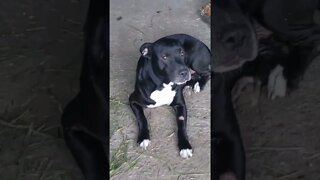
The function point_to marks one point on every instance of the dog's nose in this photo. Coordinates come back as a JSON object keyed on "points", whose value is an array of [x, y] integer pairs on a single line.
{"points": [[183, 73], [234, 39]]}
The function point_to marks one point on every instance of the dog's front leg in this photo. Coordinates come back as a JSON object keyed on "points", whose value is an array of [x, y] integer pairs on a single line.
{"points": [[88, 151], [143, 134], [229, 154], [181, 118]]}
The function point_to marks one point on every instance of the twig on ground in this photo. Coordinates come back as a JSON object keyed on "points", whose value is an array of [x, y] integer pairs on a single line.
{"points": [[36, 29], [276, 149], [57, 70], [72, 21], [43, 174], [70, 32], [20, 116], [4, 123], [289, 175], [313, 156]]}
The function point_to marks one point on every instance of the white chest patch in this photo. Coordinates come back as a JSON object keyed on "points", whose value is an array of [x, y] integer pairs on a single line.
{"points": [[163, 97]]}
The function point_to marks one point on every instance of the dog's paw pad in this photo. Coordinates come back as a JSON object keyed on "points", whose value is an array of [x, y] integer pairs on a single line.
{"points": [[277, 84], [196, 88], [144, 144], [186, 153]]}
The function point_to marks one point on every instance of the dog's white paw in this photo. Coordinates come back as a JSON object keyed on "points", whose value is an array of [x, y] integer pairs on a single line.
{"points": [[277, 84], [186, 153], [196, 88], [144, 144]]}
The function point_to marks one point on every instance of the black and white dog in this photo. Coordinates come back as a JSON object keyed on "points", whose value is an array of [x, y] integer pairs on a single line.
{"points": [[85, 118], [165, 67], [278, 58]]}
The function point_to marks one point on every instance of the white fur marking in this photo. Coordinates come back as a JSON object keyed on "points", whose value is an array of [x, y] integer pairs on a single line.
{"points": [[277, 84], [163, 97], [145, 51], [145, 143], [186, 153], [181, 118], [196, 88], [183, 82]]}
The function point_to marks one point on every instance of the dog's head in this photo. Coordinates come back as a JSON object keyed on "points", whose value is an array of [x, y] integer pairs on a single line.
{"points": [[234, 39], [167, 58]]}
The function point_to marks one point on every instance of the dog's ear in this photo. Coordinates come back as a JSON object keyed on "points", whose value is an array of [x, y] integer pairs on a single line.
{"points": [[145, 50]]}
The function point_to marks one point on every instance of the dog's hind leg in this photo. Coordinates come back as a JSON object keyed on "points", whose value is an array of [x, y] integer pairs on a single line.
{"points": [[229, 154]]}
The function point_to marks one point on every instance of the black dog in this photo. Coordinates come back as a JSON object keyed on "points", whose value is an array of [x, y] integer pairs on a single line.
{"points": [[164, 69], [282, 60], [234, 43], [85, 118]]}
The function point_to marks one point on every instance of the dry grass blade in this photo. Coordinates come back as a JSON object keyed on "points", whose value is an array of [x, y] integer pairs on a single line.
{"points": [[4, 123]]}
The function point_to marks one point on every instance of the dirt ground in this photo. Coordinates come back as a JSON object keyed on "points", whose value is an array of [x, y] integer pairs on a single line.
{"points": [[40, 59], [281, 136], [133, 23]]}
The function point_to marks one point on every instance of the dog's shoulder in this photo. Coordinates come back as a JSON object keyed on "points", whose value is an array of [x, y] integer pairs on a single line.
{"points": [[145, 83]]}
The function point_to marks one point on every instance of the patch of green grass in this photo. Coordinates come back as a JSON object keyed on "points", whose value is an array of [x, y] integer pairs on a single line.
{"points": [[116, 114], [118, 157], [119, 111]]}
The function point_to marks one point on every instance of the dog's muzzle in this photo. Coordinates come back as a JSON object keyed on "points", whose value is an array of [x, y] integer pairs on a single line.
{"points": [[183, 76]]}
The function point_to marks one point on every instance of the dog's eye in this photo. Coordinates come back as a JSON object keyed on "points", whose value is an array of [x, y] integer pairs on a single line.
{"points": [[164, 57]]}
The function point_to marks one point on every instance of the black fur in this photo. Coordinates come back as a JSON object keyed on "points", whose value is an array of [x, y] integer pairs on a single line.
{"points": [[292, 44], [85, 118], [169, 59]]}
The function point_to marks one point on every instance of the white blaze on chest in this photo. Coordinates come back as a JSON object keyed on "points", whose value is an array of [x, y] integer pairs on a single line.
{"points": [[164, 96]]}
